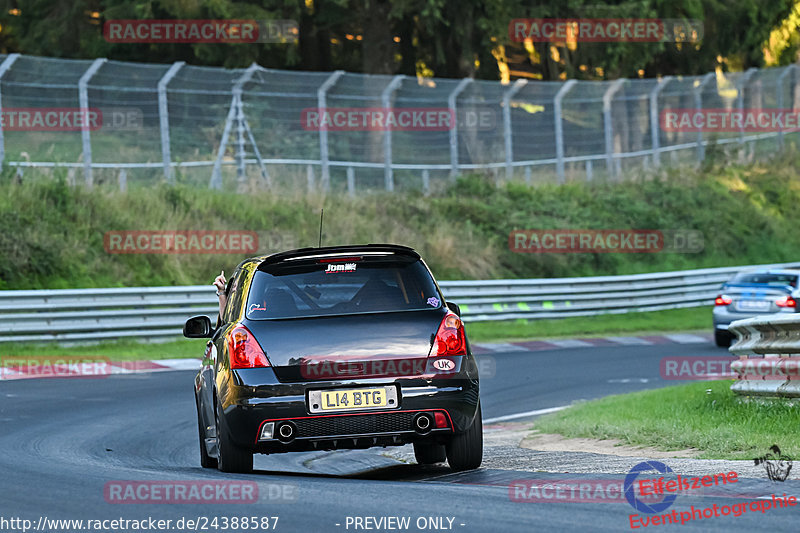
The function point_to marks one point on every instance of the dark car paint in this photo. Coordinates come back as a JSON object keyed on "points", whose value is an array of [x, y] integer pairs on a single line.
{"points": [[248, 397]]}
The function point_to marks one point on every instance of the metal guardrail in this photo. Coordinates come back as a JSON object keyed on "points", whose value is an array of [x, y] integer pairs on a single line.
{"points": [[769, 351], [152, 313]]}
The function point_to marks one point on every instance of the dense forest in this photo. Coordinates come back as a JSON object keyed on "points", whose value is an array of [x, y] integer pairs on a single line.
{"points": [[444, 38]]}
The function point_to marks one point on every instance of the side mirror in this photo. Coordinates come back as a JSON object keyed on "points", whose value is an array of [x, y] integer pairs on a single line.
{"points": [[198, 327], [454, 308]]}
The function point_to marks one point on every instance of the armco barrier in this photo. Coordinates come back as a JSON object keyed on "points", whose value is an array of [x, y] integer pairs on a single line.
{"points": [[769, 351], [151, 313]]}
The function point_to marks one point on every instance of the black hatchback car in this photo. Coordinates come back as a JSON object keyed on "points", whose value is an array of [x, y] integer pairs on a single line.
{"points": [[333, 348]]}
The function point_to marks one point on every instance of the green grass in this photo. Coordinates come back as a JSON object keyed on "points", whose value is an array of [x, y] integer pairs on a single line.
{"points": [[706, 416], [53, 233], [126, 350], [689, 319]]}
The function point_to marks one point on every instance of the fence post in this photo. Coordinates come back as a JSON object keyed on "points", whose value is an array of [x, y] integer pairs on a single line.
{"points": [[351, 181], [426, 182], [83, 99], [698, 104], [323, 130], [608, 129], [163, 118], [559, 127], [388, 178], [4, 66], [783, 75], [740, 95], [519, 84], [655, 130], [233, 114], [451, 104]]}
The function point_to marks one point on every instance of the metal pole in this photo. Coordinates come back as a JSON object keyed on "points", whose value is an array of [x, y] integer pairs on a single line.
{"points": [[323, 131], [608, 129], [451, 104], [4, 66], [740, 95], [519, 84], [426, 182], [163, 118], [83, 99], [351, 181], [233, 114], [559, 127], [655, 129], [388, 178], [783, 75], [240, 151], [698, 104]]}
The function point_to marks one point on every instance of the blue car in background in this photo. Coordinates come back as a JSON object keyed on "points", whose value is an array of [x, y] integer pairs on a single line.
{"points": [[754, 293]]}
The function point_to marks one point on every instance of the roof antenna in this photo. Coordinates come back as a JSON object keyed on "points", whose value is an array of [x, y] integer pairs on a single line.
{"points": [[321, 211]]}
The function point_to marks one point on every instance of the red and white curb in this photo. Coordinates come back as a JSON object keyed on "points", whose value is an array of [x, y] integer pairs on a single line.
{"points": [[98, 369], [556, 344]]}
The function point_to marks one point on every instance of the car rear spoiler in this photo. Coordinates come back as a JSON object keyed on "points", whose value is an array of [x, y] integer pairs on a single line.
{"points": [[762, 286], [302, 253]]}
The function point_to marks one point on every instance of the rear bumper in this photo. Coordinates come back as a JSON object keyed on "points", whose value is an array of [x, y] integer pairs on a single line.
{"points": [[723, 317], [248, 408]]}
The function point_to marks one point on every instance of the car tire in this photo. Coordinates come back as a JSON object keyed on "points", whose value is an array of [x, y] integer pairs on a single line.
{"points": [[429, 453], [722, 339], [206, 461], [232, 458], [465, 451]]}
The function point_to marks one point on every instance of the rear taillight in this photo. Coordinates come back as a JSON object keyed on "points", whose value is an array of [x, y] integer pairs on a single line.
{"points": [[244, 350], [723, 299], [786, 301], [450, 339]]}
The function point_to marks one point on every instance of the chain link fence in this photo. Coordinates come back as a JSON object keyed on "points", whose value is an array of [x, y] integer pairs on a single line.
{"points": [[229, 128]]}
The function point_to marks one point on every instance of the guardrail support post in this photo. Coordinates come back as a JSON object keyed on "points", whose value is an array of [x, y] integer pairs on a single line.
{"points": [[519, 84], [789, 70], [4, 66], [451, 104], [163, 118], [386, 95], [655, 126], [322, 105], [83, 99], [559, 128]]}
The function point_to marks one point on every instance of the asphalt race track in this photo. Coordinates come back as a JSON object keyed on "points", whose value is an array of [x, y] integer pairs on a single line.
{"points": [[63, 440]]}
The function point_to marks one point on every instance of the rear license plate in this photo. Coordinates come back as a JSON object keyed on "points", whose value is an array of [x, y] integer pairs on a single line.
{"points": [[752, 305], [328, 401]]}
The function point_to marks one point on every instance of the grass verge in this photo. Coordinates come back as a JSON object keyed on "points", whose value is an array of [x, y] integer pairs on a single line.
{"points": [[689, 319], [706, 416]]}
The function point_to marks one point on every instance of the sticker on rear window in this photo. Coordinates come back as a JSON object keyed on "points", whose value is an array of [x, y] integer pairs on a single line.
{"points": [[433, 301], [347, 267], [256, 307]]}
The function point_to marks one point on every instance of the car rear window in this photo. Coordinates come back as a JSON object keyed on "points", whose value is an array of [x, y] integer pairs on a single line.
{"points": [[778, 280], [341, 288]]}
